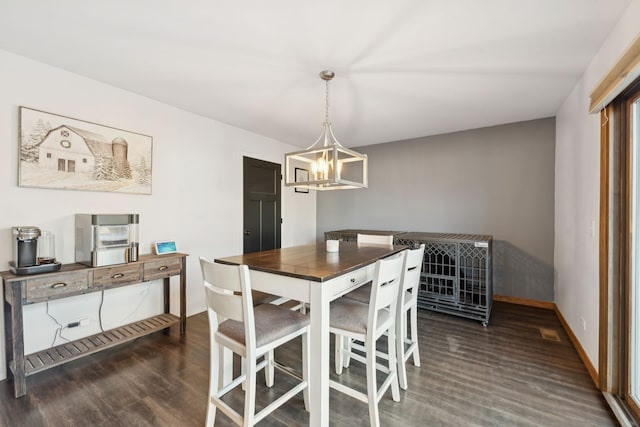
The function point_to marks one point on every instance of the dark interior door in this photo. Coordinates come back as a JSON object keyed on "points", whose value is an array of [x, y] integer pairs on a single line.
{"points": [[261, 205]]}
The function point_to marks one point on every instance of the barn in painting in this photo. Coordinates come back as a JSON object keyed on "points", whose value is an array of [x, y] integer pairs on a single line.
{"points": [[69, 149]]}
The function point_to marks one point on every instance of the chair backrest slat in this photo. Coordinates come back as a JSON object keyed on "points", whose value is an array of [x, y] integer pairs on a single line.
{"points": [[412, 268], [388, 273], [374, 239], [225, 304], [228, 291]]}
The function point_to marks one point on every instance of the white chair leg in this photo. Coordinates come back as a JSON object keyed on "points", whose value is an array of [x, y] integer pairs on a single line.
{"points": [[346, 352], [372, 384], [269, 370], [226, 374], [250, 394], [221, 354], [403, 324], [213, 390], [243, 369], [393, 364], [338, 353], [414, 335], [306, 368], [401, 334], [211, 414]]}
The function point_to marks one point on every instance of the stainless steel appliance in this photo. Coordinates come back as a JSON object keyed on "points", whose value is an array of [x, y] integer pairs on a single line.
{"points": [[106, 239], [33, 251], [25, 245]]}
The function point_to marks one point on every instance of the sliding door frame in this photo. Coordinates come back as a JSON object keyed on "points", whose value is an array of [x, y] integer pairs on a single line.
{"points": [[616, 186]]}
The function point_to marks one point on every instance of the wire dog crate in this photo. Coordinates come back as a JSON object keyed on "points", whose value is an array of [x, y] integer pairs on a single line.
{"points": [[456, 273]]}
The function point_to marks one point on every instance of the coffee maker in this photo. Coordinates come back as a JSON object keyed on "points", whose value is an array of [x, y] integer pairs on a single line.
{"points": [[33, 251], [106, 239]]}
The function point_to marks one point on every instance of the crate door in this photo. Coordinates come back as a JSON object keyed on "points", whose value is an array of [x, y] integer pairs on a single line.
{"points": [[439, 273], [472, 274]]}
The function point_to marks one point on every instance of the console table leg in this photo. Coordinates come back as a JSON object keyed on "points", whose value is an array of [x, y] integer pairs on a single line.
{"points": [[167, 301], [14, 332], [167, 282], [183, 297], [8, 334]]}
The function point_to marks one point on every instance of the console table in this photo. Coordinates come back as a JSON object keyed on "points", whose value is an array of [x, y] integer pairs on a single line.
{"points": [[77, 279]]}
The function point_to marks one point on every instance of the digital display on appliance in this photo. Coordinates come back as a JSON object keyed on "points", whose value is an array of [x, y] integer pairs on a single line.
{"points": [[167, 247]]}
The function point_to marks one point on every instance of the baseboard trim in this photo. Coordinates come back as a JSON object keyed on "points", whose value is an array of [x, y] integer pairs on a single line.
{"points": [[552, 306], [525, 301], [576, 344]]}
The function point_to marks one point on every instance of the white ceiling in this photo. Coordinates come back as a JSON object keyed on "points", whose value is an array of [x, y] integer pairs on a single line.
{"points": [[404, 68]]}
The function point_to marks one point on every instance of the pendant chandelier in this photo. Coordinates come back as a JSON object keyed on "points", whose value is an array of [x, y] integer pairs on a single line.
{"points": [[326, 165]]}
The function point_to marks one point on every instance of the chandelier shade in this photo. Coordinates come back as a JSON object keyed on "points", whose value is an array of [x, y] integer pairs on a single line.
{"points": [[326, 165]]}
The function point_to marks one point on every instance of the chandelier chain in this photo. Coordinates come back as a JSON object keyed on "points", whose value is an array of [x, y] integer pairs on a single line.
{"points": [[326, 111]]}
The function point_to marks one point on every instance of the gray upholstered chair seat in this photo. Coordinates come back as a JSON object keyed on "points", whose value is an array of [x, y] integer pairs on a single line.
{"points": [[272, 323], [362, 294], [352, 315]]}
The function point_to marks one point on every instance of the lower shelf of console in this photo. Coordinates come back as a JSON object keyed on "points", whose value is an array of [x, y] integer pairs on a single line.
{"points": [[54, 356]]}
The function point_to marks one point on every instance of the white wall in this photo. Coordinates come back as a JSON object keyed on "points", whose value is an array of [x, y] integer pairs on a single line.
{"points": [[577, 191], [196, 200]]}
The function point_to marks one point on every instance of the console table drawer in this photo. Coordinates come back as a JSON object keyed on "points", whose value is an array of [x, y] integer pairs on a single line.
{"points": [[163, 268], [117, 276], [52, 287]]}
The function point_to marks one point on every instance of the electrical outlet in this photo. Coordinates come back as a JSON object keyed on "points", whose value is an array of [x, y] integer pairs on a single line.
{"points": [[584, 324], [85, 322]]}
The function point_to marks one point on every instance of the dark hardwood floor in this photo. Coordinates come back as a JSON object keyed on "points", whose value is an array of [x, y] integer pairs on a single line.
{"points": [[502, 375]]}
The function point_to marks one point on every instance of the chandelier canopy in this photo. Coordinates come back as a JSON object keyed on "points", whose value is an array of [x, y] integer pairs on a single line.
{"points": [[326, 165]]}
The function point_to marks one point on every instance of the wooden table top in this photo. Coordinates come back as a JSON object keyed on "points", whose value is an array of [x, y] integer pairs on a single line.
{"points": [[313, 262]]}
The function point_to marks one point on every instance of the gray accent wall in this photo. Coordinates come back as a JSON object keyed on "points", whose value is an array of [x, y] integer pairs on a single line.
{"points": [[497, 180]]}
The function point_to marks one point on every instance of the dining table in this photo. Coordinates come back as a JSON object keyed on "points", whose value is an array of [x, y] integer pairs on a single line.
{"points": [[312, 275]]}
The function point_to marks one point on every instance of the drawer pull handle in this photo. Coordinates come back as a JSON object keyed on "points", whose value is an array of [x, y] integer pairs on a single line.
{"points": [[58, 285], [163, 268], [117, 276], [353, 280]]}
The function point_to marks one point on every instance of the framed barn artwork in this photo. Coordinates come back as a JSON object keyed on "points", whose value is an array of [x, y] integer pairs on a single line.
{"points": [[64, 153]]}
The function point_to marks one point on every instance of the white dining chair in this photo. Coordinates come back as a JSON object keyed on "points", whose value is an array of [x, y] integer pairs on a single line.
{"points": [[362, 293], [408, 304], [250, 332], [366, 323]]}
